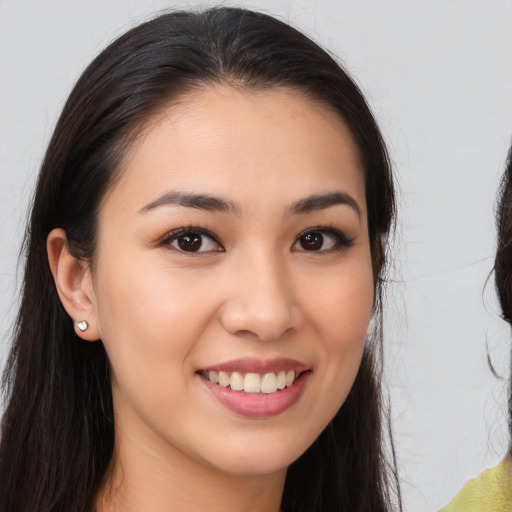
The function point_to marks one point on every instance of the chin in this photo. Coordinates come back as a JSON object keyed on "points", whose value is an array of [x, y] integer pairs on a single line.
{"points": [[260, 458], [256, 467]]}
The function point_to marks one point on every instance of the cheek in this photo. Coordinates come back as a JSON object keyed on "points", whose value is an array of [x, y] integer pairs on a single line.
{"points": [[342, 306], [149, 321], [144, 297], [347, 315], [341, 312]]}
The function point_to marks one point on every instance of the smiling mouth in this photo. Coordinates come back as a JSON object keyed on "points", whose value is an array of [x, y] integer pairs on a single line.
{"points": [[253, 383]]}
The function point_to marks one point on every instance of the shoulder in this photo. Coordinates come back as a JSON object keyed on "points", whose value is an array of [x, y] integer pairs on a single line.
{"points": [[491, 491]]}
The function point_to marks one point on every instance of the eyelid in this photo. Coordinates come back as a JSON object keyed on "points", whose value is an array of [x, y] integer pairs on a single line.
{"points": [[174, 234], [342, 240]]}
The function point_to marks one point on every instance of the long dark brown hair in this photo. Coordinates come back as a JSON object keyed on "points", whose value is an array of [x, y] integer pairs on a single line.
{"points": [[58, 426], [503, 260]]}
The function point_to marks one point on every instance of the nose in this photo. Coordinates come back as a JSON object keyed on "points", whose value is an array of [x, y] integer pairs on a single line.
{"points": [[261, 300]]}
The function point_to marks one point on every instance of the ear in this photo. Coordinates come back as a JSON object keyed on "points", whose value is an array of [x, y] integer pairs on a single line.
{"points": [[73, 281]]}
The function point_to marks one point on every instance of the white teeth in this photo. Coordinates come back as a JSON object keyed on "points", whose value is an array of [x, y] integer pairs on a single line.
{"points": [[269, 383], [281, 380], [236, 381], [223, 379], [252, 383]]}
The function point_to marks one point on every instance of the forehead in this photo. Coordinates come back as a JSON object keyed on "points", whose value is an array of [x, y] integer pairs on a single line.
{"points": [[228, 138]]}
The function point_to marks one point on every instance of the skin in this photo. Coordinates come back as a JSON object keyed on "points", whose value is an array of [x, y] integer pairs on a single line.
{"points": [[164, 313]]}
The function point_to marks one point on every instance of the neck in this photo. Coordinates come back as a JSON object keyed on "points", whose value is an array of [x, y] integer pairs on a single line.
{"points": [[162, 479]]}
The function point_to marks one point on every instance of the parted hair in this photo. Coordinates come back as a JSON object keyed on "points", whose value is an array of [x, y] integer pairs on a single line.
{"points": [[58, 427]]}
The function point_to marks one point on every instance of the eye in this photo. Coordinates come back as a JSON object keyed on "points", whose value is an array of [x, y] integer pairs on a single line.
{"points": [[192, 240], [322, 239]]}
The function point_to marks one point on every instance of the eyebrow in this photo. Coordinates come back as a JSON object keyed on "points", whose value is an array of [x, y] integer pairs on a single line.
{"points": [[216, 204], [323, 201], [199, 201]]}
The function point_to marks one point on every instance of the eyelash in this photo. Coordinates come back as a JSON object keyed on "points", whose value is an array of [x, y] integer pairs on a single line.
{"points": [[175, 234], [341, 240]]}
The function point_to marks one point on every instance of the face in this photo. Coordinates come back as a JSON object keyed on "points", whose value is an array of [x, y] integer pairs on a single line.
{"points": [[233, 282]]}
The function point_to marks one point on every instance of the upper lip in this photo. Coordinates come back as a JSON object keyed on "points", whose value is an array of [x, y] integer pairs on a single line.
{"points": [[252, 365]]}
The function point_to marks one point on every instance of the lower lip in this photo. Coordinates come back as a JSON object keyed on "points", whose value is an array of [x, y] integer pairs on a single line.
{"points": [[258, 405]]}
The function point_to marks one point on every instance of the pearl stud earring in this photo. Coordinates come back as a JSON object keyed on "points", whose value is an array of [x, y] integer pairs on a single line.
{"points": [[82, 326]]}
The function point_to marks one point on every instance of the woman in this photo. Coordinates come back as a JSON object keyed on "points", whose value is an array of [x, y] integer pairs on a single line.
{"points": [[205, 252], [492, 490]]}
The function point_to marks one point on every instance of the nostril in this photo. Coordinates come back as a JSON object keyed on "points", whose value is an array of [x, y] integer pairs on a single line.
{"points": [[265, 333], [246, 333]]}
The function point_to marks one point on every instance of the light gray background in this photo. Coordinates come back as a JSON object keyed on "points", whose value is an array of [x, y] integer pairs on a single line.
{"points": [[438, 75]]}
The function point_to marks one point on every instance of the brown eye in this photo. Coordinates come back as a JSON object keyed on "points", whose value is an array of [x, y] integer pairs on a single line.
{"points": [[192, 240], [322, 239], [312, 241], [190, 243]]}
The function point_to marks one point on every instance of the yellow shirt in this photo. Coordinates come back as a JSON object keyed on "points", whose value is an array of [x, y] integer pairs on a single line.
{"points": [[490, 492]]}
